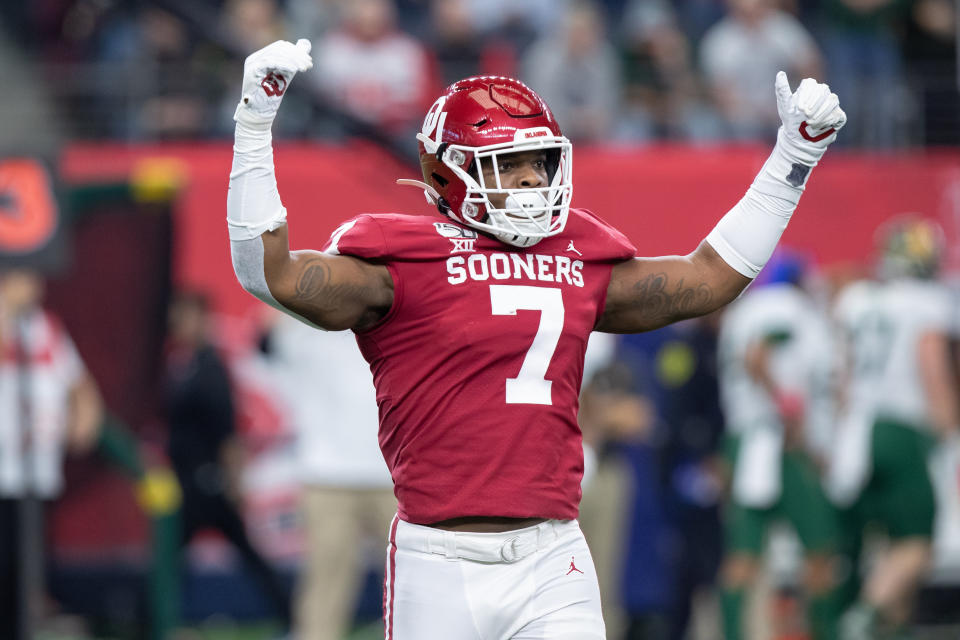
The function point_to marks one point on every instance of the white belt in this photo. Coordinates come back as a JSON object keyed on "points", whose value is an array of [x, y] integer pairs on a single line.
{"points": [[506, 546]]}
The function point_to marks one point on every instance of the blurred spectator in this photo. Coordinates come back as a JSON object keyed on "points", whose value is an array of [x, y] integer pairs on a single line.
{"points": [[695, 17], [687, 401], [662, 93], [646, 581], [203, 449], [577, 72], [460, 49], [861, 42], [519, 22], [39, 127], [253, 23], [372, 72], [674, 533], [740, 56], [310, 19], [776, 362], [50, 404], [158, 81], [930, 49], [347, 501], [611, 414]]}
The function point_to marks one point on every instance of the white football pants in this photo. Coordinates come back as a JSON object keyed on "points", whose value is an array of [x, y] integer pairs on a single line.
{"points": [[535, 583]]}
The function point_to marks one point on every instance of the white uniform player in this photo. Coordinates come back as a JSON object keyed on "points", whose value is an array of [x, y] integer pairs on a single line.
{"points": [[882, 325], [31, 455], [775, 372], [901, 396], [800, 366], [49, 404]]}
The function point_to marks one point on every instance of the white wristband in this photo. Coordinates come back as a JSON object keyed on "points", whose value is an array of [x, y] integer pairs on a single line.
{"points": [[747, 235]]}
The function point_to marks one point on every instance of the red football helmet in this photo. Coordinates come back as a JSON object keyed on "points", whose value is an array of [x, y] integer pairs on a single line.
{"points": [[471, 124]]}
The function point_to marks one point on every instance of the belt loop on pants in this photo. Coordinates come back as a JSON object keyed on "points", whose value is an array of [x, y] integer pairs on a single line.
{"points": [[450, 545]]}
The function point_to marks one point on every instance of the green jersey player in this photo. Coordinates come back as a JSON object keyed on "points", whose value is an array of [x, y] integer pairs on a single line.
{"points": [[775, 368], [901, 398]]}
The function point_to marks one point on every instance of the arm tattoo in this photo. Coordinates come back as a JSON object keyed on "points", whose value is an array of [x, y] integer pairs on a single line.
{"points": [[657, 303], [312, 280], [314, 287]]}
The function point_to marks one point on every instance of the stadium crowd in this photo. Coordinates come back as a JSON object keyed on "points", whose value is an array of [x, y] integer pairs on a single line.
{"points": [[628, 70]]}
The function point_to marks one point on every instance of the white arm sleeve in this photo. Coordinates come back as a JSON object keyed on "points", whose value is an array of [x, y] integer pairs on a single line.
{"points": [[254, 207], [253, 203], [747, 235]]}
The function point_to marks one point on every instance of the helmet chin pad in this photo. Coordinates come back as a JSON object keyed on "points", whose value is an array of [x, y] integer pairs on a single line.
{"points": [[536, 222], [527, 200], [517, 228]]}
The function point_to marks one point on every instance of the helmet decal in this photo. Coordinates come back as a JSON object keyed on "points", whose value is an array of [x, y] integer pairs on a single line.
{"points": [[433, 122]]}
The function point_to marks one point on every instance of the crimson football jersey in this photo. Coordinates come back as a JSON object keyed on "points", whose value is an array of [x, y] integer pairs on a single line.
{"points": [[479, 361]]}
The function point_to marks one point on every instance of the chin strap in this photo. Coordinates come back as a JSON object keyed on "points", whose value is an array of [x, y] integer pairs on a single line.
{"points": [[431, 194]]}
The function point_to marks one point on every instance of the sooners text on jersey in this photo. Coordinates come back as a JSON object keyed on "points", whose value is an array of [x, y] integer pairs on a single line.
{"points": [[478, 363]]}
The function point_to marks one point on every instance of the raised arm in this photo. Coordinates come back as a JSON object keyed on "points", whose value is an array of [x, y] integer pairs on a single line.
{"points": [[328, 291], [646, 293]]}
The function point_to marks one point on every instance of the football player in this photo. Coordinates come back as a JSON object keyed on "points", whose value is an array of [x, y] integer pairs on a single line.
{"points": [[475, 321], [901, 399], [776, 362]]}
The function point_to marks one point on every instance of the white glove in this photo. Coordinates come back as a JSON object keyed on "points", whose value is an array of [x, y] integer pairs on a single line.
{"points": [[746, 236], [811, 117], [266, 75]]}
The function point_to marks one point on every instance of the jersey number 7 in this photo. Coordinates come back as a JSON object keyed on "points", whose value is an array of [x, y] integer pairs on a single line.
{"points": [[531, 386]]}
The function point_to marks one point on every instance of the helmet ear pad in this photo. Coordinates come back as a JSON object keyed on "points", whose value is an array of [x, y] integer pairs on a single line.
{"points": [[452, 189]]}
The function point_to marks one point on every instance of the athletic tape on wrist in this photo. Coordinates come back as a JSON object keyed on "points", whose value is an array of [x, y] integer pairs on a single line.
{"points": [[747, 235]]}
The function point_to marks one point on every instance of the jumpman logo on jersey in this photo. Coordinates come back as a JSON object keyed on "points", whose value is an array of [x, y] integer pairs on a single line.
{"points": [[573, 567], [570, 247]]}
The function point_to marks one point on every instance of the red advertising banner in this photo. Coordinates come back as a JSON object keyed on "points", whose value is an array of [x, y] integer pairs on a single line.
{"points": [[665, 198]]}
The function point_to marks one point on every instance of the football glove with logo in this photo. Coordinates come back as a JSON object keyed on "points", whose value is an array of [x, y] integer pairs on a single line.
{"points": [[266, 75], [746, 237], [811, 117]]}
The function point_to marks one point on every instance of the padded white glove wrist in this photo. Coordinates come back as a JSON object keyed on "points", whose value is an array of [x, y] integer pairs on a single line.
{"points": [[747, 235], [811, 117]]}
